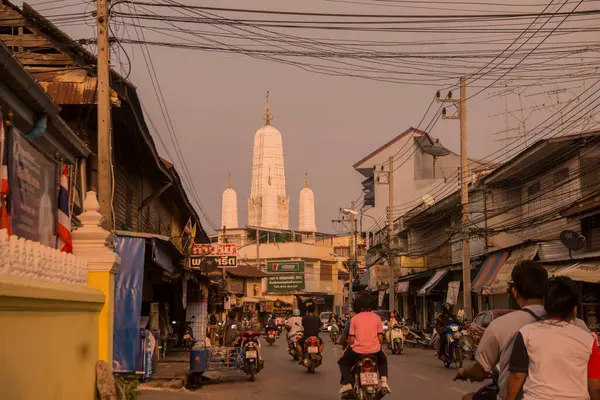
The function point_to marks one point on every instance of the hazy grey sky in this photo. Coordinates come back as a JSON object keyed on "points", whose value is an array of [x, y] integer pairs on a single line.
{"points": [[327, 123]]}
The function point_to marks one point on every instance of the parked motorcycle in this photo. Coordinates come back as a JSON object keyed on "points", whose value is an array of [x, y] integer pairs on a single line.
{"points": [[312, 358], [396, 337], [453, 352], [420, 339], [253, 364], [271, 336], [188, 337], [366, 380]]}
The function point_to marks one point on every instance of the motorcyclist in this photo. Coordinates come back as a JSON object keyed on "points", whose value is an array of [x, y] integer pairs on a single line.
{"points": [[294, 324], [365, 337], [444, 319], [229, 333], [346, 332], [271, 325], [393, 321], [312, 326], [528, 286]]}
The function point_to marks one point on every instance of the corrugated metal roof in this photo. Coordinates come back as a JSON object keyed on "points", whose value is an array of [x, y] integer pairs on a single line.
{"points": [[76, 92]]}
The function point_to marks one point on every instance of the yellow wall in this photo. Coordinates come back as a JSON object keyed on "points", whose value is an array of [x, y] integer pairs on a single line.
{"points": [[105, 282], [48, 340]]}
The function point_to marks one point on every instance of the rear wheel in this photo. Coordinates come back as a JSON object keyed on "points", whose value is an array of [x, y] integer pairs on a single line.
{"points": [[410, 344], [252, 377], [311, 368]]}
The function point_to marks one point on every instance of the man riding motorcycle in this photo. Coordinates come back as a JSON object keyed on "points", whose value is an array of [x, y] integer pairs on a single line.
{"points": [[312, 326], [271, 325], [444, 319], [294, 325], [365, 337]]}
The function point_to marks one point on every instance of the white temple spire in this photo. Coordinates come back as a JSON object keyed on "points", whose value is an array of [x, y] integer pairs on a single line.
{"points": [[306, 217], [229, 211], [267, 165]]}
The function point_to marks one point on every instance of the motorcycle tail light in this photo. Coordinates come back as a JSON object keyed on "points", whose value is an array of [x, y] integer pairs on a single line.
{"points": [[367, 365]]}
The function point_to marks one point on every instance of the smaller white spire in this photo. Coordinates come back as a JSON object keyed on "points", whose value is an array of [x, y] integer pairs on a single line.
{"points": [[229, 212], [306, 217]]}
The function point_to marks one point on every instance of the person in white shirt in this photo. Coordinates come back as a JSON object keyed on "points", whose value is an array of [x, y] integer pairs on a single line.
{"points": [[294, 323]]}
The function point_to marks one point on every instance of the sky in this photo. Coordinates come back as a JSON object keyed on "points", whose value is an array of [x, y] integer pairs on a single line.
{"points": [[216, 102]]}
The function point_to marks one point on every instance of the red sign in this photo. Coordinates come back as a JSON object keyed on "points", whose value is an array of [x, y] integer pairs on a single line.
{"points": [[215, 250]]}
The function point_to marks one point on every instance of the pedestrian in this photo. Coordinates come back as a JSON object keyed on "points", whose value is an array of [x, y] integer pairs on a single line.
{"points": [[554, 358], [528, 285], [212, 323]]}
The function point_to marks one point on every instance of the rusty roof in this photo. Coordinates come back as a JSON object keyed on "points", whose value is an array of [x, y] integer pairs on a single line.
{"points": [[84, 92]]}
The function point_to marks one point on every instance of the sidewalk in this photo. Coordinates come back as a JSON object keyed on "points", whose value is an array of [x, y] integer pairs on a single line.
{"points": [[171, 371]]}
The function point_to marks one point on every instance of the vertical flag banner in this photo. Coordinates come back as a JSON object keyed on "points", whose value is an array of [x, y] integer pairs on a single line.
{"points": [[64, 222], [4, 216]]}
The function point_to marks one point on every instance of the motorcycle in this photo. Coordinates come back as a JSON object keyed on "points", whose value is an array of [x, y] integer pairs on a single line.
{"points": [[271, 336], [312, 358], [188, 337], [366, 380], [454, 354], [334, 332], [396, 337], [253, 364], [420, 339], [293, 346]]}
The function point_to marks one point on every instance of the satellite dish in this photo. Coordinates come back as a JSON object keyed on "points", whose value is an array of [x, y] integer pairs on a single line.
{"points": [[428, 199], [573, 240], [435, 150]]}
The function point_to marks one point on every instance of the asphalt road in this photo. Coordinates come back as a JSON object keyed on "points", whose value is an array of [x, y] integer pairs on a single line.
{"points": [[414, 375]]}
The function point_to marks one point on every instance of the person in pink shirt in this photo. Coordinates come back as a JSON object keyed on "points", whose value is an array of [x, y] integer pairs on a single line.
{"points": [[366, 337]]}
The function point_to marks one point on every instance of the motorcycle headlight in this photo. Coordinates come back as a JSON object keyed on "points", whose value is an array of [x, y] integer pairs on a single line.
{"points": [[456, 335]]}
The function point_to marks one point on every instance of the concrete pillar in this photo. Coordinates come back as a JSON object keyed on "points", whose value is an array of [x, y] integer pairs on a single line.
{"points": [[96, 245]]}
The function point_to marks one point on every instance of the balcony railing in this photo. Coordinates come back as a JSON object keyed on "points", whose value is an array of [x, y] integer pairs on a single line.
{"points": [[24, 258]]}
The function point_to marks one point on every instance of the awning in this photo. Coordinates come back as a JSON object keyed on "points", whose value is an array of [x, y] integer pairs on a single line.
{"points": [[161, 257], [581, 271], [250, 300], [500, 282], [432, 282], [402, 287], [489, 269]]}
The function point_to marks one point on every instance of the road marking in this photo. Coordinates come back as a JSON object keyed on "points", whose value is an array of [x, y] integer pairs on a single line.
{"points": [[461, 391], [420, 377]]}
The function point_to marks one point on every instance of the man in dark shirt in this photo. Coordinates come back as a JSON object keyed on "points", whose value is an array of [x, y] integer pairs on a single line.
{"points": [[311, 325]]}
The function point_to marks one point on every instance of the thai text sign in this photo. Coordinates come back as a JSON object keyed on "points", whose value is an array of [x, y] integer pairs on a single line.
{"points": [[207, 256], [285, 282], [285, 266], [33, 192]]}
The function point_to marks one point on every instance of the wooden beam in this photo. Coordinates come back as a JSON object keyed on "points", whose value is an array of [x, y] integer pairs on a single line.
{"points": [[25, 41], [28, 58], [154, 195]]}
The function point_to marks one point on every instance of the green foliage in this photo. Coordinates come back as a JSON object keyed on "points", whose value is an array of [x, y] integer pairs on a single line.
{"points": [[129, 387]]}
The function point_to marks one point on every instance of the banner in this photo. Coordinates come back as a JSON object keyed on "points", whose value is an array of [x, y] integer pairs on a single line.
{"points": [[285, 266], [33, 192], [452, 295], [285, 282]]}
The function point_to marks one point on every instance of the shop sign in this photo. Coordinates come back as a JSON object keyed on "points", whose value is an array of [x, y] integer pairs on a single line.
{"points": [[285, 266], [412, 262], [236, 285], [282, 308], [205, 256], [285, 282], [318, 299], [33, 194], [453, 290]]}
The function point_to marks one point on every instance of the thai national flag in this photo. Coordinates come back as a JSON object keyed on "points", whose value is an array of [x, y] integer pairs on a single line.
{"points": [[4, 215], [64, 222]]}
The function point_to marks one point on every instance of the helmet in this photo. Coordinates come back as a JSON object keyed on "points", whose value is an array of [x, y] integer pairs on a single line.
{"points": [[296, 313]]}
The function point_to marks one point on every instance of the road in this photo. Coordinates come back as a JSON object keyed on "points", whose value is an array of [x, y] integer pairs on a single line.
{"points": [[414, 375]]}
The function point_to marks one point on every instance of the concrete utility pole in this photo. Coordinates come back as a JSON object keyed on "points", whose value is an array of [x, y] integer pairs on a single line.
{"points": [[392, 305], [464, 191], [104, 118], [353, 258]]}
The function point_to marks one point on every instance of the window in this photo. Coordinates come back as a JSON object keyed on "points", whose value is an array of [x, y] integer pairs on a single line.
{"points": [[561, 175], [487, 318]]}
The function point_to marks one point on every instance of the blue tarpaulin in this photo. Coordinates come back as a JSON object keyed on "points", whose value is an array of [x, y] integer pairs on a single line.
{"points": [[128, 304]]}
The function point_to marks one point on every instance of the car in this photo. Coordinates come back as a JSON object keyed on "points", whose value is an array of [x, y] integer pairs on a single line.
{"points": [[324, 316], [482, 321]]}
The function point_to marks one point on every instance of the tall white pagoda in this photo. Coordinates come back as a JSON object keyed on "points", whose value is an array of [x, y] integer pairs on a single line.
{"points": [[268, 205], [306, 216], [229, 211]]}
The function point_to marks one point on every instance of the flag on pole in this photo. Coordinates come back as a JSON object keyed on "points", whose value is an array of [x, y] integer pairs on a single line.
{"points": [[192, 237], [64, 222], [188, 227], [4, 214]]}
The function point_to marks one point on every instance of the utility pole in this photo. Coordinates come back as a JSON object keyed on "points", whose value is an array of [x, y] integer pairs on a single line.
{"points": [[353, 258], [104, 118], [392, 305], [464, 190], [257, 249]]}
